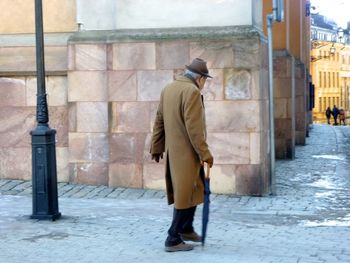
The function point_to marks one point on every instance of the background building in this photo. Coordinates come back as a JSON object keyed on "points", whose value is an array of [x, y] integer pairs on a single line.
{"points": [[330, 65], [107, 62]]}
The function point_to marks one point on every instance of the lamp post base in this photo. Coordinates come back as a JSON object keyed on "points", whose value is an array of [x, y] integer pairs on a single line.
{"points": [[46, 217], [44, 181]]}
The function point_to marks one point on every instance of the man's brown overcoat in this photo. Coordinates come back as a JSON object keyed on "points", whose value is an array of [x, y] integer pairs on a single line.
{"points": [[179, 131]]}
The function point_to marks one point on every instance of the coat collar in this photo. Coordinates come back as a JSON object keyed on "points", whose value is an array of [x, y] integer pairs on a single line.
{"points": [[187, 79]]}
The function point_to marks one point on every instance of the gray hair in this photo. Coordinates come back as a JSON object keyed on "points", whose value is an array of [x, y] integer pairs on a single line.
{"points": [[192, 74]]}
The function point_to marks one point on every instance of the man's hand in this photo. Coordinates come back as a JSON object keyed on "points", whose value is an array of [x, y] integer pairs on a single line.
{"points": [[210, 161], [157, 156]]}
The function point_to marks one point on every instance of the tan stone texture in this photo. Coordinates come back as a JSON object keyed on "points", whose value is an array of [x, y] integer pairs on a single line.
{"points": [[58, 120], [222, 179], [131, 56], [238, 84], [16, 163], [17, 59], [214, 88], [217, 54], [229, 116], [122, 85], [62, 158], [125, 175], [92, 117], [89, 173], [153, 176], [127, 147], [16, 124], [12, 92], [255, 148], [91, 57], [130, 117], [172, 55], [88, 147], [249, 180], [72, 117], [151, 83], [87, 86], [247, 53], [19, 16], [230, 148]]}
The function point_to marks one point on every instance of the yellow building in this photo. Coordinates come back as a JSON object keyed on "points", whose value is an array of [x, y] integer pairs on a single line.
{"points": [[330, 67]]}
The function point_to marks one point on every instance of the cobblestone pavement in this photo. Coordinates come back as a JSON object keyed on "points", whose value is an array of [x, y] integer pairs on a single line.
{"points": [[308, 220]]}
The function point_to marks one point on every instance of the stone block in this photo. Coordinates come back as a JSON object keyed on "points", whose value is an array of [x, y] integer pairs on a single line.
{"points": [[172, 55], [71, 57], [249, 180], [151, 83], [228, 116], [89, 173], [122, 85], [238, 84], [59, 121], [214, 88], [222, 179], [57, 90], [87, 86], [131, 56], [125, 175], [282, 87], [16, 163], [72, 117], [255, 148], [280, 107], [247, 53], [17, 59], [62, 158], [16, 124], [130, 117], [91, 57], [92, 117], [127, 147], [300, 87], [88, 147], [154, 176], [282, 67], [218, 54], [230, 148], [13, 92]]}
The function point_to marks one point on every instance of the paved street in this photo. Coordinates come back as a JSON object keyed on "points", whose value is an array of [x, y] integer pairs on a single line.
{"points": [[308, 220]]}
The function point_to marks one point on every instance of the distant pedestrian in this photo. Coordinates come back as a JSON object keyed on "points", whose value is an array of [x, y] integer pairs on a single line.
{"points": [[342, 116], [335, 112], [328, 115], [179, 131]]}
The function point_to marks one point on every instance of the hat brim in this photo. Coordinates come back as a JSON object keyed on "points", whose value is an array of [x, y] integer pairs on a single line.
{"points": [[200, 73]]}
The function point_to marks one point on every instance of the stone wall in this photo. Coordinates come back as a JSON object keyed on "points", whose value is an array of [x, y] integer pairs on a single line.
{"points": [[114, 84], [284, 104]]}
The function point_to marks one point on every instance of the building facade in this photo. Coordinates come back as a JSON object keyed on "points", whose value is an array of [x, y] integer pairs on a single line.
{"points": [[107, 62], [330, 64]]}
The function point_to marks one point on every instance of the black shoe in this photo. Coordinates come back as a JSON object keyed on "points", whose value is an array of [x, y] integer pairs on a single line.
{"points": [[179, 247]]}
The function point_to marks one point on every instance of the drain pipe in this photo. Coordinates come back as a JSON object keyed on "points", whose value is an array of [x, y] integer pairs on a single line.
{"points": [[271, 106], [277, 15]]}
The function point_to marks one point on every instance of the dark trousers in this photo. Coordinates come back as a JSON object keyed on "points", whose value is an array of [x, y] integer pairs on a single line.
{"points": [[182, 223]]}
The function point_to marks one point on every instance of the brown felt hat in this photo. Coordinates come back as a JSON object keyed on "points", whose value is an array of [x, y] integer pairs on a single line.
{"points": [[199, 66]]}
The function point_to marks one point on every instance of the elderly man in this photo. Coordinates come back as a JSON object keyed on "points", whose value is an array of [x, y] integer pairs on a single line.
{"points": [[179, 131]]}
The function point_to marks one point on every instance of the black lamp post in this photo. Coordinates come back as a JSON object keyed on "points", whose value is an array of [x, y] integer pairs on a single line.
{"points": [[44, 171]]}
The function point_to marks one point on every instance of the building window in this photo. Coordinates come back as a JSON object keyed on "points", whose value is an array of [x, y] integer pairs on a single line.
{"points": [[325, 79], [320, 79], [338, 101], [333, 79], [324, 103]]}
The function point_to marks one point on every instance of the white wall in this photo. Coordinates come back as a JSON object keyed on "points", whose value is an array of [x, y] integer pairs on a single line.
{"points": [[183, 13], [122, 14]]}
